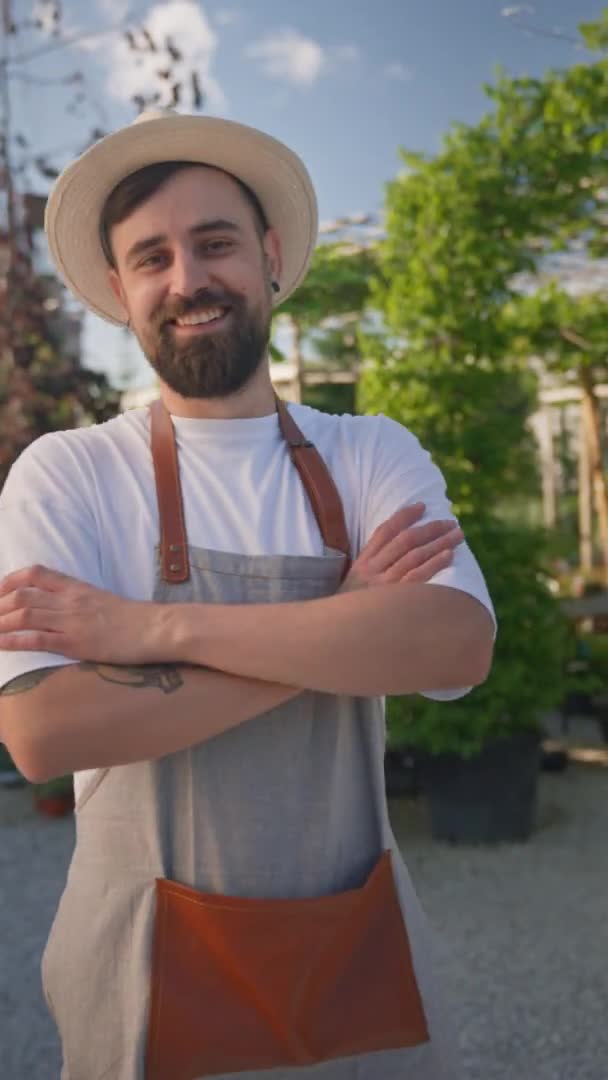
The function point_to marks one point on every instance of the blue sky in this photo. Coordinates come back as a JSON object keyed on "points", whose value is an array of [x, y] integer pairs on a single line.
{"points": [[344, 82]]}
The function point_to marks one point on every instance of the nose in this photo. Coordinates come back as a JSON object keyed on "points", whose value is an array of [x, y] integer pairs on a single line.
{"points": [[188, 274]]}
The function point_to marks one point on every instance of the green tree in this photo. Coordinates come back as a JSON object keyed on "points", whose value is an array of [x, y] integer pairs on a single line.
{"points": [[441, 363], [553, 136], [43, 388], [569, 333], [470, 239], [325, 313], [504, 207]]}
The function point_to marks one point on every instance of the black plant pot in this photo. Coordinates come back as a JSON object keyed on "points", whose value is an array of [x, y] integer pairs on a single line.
{"points": [[487, 799], [400, 773], [601, 715]]}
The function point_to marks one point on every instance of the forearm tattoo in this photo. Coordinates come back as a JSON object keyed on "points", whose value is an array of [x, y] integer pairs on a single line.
{"points": [[165, 677], [28, 681]]}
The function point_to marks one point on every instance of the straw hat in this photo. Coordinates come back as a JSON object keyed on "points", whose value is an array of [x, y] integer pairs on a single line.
{"points": [[276, 175]]}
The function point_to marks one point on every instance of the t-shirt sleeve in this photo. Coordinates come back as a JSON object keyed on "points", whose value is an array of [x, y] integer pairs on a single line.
{"points": [[45, 519], [402, 472]]}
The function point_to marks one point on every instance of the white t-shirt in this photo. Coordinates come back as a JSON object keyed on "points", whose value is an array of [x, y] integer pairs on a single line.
{"points": [[84, 501]]}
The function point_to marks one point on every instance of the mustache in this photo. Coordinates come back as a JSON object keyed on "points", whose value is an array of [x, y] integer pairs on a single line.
{"points": [[182, 306]]}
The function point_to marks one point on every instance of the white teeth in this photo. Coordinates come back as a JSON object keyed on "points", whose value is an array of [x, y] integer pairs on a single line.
{"points": [[200, 317]]}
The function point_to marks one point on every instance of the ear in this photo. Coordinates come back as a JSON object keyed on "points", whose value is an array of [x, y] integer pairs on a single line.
{"points": [[272, 251], [117, 289]]}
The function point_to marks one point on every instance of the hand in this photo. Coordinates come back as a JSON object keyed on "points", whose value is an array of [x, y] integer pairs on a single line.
{"points": [[42, 610], [397, 551]]}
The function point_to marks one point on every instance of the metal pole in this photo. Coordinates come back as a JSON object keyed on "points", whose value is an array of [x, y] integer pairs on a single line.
{"points": [[6, 183]]}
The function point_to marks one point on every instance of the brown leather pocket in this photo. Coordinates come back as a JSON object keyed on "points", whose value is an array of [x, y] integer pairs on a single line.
{"points": [[241, 984]]}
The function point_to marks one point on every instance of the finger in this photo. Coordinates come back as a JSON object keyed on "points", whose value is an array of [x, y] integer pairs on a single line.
{"points": [[32, 641], [400, 520], [25, 598], [423, 534], [419, 557], [421, 543], [30, 619], [428, 569], [450, 540], [38, 577]]}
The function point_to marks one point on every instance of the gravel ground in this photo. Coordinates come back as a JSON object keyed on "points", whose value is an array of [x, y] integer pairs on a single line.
{"points": [[522, 932]]}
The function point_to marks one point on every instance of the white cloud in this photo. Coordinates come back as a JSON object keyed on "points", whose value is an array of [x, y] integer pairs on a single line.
{"points": [[399, 72], [518, 9], [185, 23], [290, 56]]}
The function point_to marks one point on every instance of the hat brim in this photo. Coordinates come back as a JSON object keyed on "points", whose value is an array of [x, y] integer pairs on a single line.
{"points": [[276, 175]]}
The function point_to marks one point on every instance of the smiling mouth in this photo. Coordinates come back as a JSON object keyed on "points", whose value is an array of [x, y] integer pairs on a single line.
{"points": [[198, 320]]}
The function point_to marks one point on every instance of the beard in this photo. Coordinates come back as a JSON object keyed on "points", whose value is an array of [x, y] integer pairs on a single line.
{"points": [[216, 364]]}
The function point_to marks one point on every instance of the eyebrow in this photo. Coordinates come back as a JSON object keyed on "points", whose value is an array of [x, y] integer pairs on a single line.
{"points": [[203, 227]]}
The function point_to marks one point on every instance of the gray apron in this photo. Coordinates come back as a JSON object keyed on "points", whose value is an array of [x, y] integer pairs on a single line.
{"points": [[289, 806]]}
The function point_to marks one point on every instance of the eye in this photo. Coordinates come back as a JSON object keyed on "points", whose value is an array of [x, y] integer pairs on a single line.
{"points": [[217, 247], [151, 261]]}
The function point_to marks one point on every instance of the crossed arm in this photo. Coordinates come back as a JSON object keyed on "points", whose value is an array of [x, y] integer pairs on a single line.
{"points": [[386, 640], [363, 641]]}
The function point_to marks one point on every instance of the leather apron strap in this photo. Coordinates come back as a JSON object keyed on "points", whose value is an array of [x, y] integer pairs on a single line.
{"points": [[318, 483]]}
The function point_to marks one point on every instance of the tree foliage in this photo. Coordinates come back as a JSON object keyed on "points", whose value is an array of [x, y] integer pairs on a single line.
{"points": [[43, 388], [337, 284], [528, 676], [469, 284], [443, 367], [470, 281], [324, 317]]}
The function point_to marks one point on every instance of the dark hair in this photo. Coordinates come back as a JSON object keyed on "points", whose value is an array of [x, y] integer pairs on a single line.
{"points": [[141, 185]]}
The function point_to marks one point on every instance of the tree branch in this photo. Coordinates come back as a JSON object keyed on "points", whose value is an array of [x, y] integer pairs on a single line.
{"points": [[575, 339], [117, 28]]}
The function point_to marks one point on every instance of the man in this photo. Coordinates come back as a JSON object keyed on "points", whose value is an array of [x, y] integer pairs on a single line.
{"points": [[203, 606]]}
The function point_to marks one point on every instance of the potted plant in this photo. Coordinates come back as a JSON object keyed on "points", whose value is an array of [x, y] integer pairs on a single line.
{"points": [[55, 798], [592, 652], [9, 773], [478, 757]]}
